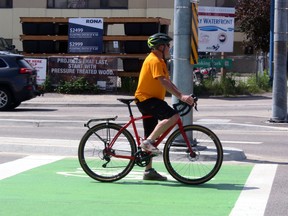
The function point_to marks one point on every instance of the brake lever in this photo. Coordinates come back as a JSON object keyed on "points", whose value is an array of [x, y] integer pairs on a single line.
{"points": [[195, 102], [195, 106]]}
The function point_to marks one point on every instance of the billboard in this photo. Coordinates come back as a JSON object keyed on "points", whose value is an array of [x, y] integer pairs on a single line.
{"points": [[101, 71], [216, 29]]}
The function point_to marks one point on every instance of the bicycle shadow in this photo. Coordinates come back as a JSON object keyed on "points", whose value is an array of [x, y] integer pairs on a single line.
{"points": [[259, 161], [175, 184]]}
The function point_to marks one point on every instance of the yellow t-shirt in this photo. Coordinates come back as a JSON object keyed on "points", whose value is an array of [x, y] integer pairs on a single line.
{"points": [[148, 85]]}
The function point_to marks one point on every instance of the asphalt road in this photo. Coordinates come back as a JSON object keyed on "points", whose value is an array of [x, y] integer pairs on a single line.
{"points": [[241, 122], [53, 125]]}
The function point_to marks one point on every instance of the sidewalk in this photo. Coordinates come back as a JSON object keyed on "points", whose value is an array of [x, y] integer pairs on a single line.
{"points": [[111, 99], [76, 100]]}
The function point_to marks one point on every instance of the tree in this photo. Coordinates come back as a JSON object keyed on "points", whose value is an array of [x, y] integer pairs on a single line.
{"points": [[253, 19]]}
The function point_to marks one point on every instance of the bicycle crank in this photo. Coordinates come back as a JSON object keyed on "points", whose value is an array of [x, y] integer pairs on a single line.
{"points": [[142, 158]]}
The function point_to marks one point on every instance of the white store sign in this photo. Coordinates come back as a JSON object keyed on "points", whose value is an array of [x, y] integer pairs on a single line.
{"points": [[41, 66], [216, 29]]}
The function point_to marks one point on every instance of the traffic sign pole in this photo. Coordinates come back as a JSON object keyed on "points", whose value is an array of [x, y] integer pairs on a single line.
{"points": [[279, 107], [182, 69]]}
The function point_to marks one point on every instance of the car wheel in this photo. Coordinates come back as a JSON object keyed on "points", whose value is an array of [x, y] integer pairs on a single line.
{"points": [[5, 99]]}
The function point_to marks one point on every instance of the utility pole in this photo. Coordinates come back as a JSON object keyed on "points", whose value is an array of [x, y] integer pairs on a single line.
{"points": [[271, 49], [182, 69], [279, 107]]}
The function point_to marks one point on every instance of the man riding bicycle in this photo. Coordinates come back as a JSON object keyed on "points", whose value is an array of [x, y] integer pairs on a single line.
{"points": [[153, 83]]}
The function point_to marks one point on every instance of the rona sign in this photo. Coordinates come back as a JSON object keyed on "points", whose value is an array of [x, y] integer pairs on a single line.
{"points": [[85, 35]]}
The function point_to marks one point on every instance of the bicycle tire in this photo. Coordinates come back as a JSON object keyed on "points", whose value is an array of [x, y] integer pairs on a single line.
{"points": [[193, 170], [92, 157]]}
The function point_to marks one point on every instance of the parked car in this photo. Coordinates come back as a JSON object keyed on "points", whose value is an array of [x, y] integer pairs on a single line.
{"points": [[4, 46], [17, 81]]}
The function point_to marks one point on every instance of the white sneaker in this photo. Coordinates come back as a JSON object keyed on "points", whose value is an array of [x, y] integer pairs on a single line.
{"points": [[148, 146]]}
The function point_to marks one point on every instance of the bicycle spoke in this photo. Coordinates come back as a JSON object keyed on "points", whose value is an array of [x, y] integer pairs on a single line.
{"points": [[198, 167], [102, 161]]}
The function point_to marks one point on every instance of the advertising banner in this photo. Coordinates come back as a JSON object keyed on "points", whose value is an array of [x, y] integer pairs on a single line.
{"points": [[101, 71], [85, 35], [216, 29], [41, 66]]}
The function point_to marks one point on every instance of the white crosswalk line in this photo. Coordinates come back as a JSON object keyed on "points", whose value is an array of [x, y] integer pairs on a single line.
{"points": [[14, 167], [254, 196]]}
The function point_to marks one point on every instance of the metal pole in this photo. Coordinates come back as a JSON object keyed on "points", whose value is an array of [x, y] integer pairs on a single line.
{"points": [[279, 107], [271, 51], [182, 69]]}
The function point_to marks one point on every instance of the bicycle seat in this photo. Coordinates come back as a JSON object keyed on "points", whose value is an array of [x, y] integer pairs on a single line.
{"points": [[126, 101]]}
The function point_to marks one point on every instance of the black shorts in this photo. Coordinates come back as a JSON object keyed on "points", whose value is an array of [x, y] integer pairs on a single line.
{"points": [[158, 109]]}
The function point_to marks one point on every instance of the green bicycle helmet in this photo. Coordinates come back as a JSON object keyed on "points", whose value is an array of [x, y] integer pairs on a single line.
{"points": [[158, 39]]}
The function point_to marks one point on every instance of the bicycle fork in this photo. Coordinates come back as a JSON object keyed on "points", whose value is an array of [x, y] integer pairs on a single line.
{"points": [[186, 139]]}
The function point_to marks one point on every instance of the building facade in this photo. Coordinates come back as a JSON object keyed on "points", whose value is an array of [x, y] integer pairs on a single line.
{"points": [[12, 10]]}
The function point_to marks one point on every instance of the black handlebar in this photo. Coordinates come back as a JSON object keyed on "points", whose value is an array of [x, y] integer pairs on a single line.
{"points": [[183, 108]]}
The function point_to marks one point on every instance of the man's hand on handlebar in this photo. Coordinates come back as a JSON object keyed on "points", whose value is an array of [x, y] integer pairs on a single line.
{"points": [[185, 104], [190, 99], [187, 99]]}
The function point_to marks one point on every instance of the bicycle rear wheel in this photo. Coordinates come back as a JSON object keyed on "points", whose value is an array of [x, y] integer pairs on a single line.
{"points": [[200, 167], [104, 163]]}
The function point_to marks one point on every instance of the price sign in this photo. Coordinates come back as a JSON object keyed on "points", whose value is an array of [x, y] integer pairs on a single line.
{"points": [[85, 35]]}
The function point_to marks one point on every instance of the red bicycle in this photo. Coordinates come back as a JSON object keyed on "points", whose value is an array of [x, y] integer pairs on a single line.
{"points": [[107, 152]]}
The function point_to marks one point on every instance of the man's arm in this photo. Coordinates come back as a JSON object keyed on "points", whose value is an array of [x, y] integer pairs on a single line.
{"points": [[171, 88]]}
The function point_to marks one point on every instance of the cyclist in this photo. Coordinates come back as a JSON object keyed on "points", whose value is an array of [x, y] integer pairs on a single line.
{"points": [[153, 83]]}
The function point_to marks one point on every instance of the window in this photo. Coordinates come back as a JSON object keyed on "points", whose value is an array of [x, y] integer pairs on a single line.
{"points": [[3, 44], [6, 3], [88, 4], [225, 3], [2, 63]]}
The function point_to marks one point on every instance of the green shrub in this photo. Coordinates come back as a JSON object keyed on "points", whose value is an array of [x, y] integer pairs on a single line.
{"points": [[259, 84], [229, 85], [47, 85], [225, 86], [77, 86], [129, 84]]}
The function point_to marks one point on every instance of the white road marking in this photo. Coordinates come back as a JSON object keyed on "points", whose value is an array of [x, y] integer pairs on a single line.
{"points": [[214, 120], [240, 142], [17, 166], [38, 142], [227, 122], [254, 196], [133, 174]]}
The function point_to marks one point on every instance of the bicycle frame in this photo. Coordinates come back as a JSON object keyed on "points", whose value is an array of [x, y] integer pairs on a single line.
{"points": [[132, 122]]}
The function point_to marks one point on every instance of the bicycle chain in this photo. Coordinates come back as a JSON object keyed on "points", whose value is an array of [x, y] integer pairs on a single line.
{"points": [[142, 158]]}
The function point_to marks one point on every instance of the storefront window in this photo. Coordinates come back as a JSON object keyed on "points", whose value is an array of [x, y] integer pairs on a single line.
{"points": [[6, 3], [88, 4]]}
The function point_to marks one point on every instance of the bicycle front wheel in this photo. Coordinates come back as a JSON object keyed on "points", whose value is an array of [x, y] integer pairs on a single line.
{"points": [[105, 157], [199, 166]]}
